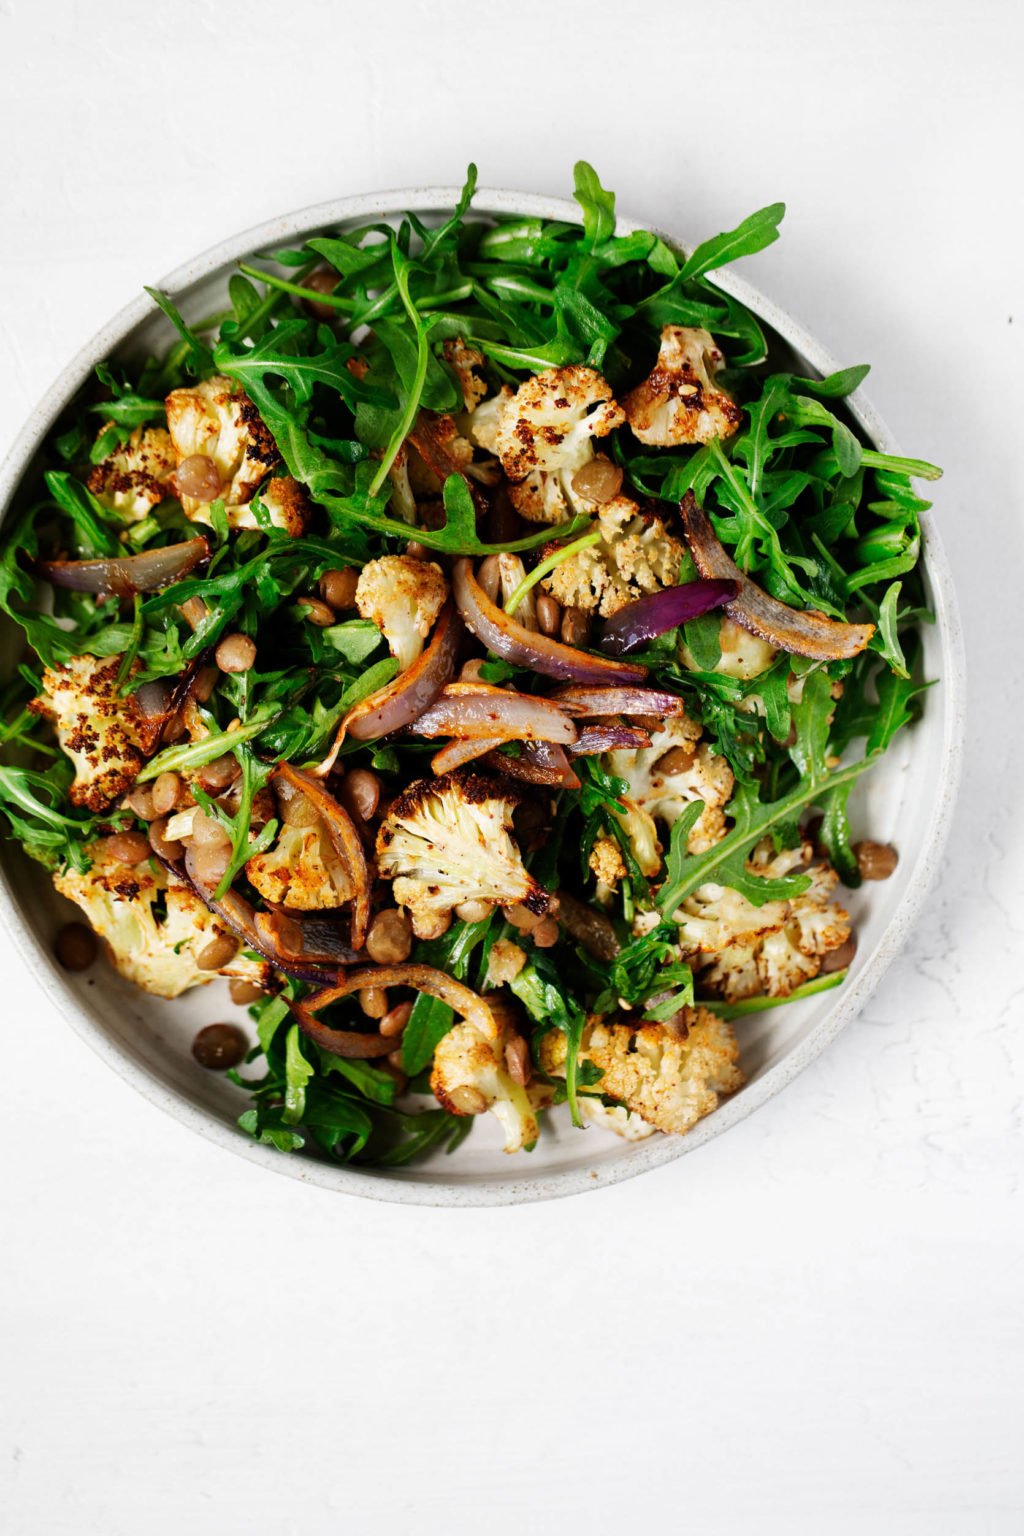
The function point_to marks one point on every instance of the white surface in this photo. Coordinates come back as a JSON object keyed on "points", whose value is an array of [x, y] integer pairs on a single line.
{"points": [[812, 1324]]}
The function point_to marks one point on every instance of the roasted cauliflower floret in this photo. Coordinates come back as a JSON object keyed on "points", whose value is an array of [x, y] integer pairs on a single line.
{"points": [[302, 869], [157, 950], [481, 426], [680, 401], [606, 861], [136, 477], [104, 733], [664, 778], [671, 1080], [635, 554], [470, 1076], [616, 1118], [447, 840], [740, 950], [468, 366], [286, 503], [217, 419], [403, 597], [546, 432], [743, 655]]}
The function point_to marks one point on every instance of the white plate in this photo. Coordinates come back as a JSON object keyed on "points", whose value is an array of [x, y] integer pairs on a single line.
{"points": [[908, 799]]}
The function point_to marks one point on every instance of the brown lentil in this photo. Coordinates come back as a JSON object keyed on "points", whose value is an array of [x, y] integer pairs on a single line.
{"points": [[159, 842], [141, 801], [317, 612], [166, 789], [76, 947], [549, 614], [339, 587], [219, 951], [360, 793], [395, 1020], [389, 941], [207, 832], [471, 670], [244, 992], [876, 861], [198, 477], [394, 1061], [416, 551], [374, 1002], [235, 653], [220, 773], [467, 1100], [323, 280], [517, 1059], [839, 959], [675, 760], [205, 683], [522, 918], [220, 1046], [128, 847], [599, 480], [575, 626], [211, 863], [545, 935], [489, 577]]}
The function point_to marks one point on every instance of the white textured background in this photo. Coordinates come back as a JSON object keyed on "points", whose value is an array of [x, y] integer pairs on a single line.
{"points": [[814, 1324]]}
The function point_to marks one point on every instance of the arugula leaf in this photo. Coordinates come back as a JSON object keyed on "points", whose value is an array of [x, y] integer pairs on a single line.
{"points": [[753, 234], [597, 204]]}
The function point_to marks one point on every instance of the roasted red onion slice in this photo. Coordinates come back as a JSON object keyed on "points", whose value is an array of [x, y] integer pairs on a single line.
{"points": [[422, 978], [123, 576], [456, 754], [401, 701], [788, 629], [581, 702], [652, 615], [342, 831], [608, 738], [541, 762], [526, 648], [477, 710]]}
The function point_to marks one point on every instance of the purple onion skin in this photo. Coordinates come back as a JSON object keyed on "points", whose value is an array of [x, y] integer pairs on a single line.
{"points": [[658, 612]]}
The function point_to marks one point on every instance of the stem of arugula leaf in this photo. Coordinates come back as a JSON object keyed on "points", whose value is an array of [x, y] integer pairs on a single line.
{"points": [[196, 753], [670, 897], [412, 408], [545, 567]]}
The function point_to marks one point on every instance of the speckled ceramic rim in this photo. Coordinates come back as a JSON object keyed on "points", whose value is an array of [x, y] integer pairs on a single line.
{"points": [[658, 1150]]}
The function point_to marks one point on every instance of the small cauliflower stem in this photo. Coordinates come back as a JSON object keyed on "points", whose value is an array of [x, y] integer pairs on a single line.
{"points": [[136, 477], [670, 1079], [403, 597], [680, 401], [103, 732], [662, 786], [157, 952], [217, 419], [739, 950], [635, 554], [446, 841], [471, 1070], [545, 433]]}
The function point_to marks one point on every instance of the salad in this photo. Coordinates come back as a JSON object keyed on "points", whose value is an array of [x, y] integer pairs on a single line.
{"points": [[467, 644]]}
